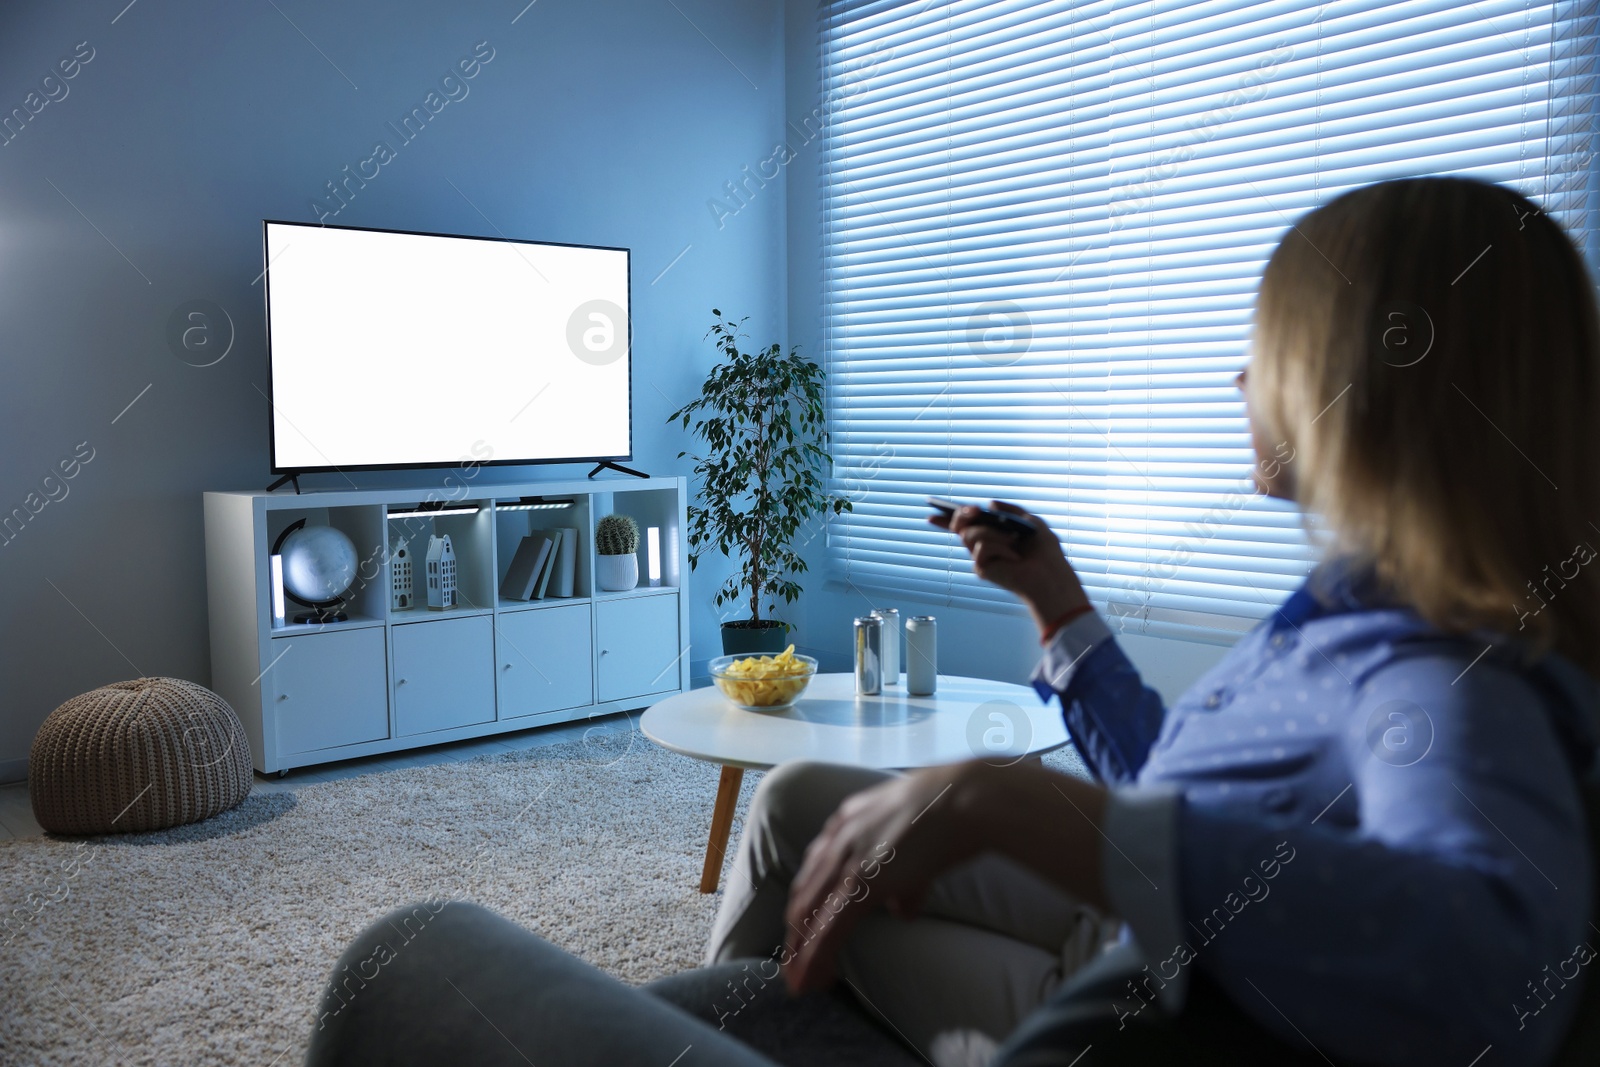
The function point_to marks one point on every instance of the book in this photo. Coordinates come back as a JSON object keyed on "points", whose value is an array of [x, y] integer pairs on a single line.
{"points": [[566, 563], [532, 555], [543, 583]]}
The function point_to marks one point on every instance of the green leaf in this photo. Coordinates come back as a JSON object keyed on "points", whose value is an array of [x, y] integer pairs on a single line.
{"points": [[762, 418]]}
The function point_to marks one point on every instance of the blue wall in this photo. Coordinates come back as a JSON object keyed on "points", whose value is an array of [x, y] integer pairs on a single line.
{"points": [[141, 185]]}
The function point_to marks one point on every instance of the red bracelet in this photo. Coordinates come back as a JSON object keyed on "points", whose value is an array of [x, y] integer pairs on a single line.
{"points": [[1053, 628]]}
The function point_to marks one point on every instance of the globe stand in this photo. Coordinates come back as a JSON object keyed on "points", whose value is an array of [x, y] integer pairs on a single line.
{"points": [[322, 616], [330, 606]]}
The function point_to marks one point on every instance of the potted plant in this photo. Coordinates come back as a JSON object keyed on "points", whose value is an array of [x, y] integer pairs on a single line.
{"points": [[760, 415], [616, 544]]}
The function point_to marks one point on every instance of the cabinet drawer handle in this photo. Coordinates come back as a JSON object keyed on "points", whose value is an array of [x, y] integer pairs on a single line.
{"points": [[401, 681], [505, 666]]}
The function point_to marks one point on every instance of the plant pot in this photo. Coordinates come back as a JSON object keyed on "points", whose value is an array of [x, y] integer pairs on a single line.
{"points": [[616, 573], [754, 637]]}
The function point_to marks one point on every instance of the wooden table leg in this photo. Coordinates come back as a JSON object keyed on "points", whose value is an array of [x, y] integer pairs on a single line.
{"points": [[721, 824]]}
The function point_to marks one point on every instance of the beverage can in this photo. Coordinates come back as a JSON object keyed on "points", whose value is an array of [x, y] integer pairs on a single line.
{"points": [[891, 643], [922, 655], [869, 655]]}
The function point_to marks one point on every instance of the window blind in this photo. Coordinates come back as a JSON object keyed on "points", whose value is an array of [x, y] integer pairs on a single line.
{"points": [[1043, 226]]}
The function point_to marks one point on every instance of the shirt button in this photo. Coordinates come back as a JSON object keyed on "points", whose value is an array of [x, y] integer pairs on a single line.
{"points": [[1279, 640], [1214, 701]]}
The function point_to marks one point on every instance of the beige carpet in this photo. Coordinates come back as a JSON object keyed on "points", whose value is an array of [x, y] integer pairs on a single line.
{"points": [[209, 943]]}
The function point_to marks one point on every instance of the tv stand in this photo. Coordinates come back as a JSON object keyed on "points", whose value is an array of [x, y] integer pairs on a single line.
{"points": [[292, 476], [619, 468], [394, 674]]}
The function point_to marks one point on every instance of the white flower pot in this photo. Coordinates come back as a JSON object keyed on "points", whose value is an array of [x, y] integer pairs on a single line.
{"points": [[616, 573]]}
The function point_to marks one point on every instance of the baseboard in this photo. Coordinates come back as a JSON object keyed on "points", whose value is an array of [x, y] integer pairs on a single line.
{"points": [[13, 770]]}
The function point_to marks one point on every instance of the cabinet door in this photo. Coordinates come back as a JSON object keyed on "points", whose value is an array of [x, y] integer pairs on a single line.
{"points": [[443, 674], [326, 690], [639, 650], [544, 660]]}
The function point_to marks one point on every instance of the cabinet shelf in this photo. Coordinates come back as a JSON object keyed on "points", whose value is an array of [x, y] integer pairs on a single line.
{"points": [[638, 590], [294, 629], [389, 678], [506, 604], [411, 615]]}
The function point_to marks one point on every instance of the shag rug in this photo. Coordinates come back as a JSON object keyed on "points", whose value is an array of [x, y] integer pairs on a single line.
{"points": [[210, 943]]}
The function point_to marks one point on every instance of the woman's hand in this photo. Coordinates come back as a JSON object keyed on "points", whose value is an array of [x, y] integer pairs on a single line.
{"points": [[1035, 569], [883, 846], [886, 845]]}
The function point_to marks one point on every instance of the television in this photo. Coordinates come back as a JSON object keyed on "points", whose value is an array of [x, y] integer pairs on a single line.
{"points": [[388, 349]]}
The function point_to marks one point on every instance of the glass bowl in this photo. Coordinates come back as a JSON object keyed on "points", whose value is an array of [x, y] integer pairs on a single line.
{"points": [[755, 692]]}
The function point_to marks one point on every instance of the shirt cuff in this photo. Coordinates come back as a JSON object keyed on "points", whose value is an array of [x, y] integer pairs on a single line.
{"points": [[1066, 650], [1139, 870]]}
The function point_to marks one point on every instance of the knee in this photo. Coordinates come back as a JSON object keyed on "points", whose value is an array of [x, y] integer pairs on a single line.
{"points": [[382, 1001], [793, 785], [373, 951], [788, 780], [383, 959], [797, 797]]}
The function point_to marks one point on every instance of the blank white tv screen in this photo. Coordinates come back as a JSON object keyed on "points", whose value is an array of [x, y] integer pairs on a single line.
{"points": [[396, 349]]}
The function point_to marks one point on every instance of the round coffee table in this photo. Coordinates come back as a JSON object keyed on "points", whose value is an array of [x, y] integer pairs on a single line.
{"points": [[967, 718]]}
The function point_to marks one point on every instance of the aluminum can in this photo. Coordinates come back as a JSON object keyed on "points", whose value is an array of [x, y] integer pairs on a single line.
{"points": [[869, 656], [891, 644], [922, 655]]}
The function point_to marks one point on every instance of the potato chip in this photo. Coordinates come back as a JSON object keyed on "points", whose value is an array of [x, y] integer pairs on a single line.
{"points": [[765, 681]]}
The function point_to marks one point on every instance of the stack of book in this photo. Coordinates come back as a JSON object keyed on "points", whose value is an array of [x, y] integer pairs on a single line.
{"points": [[545, 564]]}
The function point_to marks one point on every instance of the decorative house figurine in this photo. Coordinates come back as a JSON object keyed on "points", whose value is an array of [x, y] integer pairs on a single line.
{"points": [[399, 575], [441, 573]]}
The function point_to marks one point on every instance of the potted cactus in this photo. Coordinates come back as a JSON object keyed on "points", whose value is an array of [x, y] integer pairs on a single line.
{"points": [[616, 544]]}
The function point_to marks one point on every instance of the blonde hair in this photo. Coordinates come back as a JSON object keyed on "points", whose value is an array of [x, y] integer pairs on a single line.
{"points": [[1430, 351]]}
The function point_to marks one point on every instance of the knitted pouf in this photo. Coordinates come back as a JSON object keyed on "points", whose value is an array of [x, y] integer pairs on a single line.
{"points": [[139, 755]]}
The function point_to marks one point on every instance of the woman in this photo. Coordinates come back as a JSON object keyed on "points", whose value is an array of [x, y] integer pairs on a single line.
{"points": [[1363, 825], [1360, 834]]}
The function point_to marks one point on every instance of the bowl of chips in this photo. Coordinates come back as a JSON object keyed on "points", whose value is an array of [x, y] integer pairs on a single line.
{"points": [[763, 683]]}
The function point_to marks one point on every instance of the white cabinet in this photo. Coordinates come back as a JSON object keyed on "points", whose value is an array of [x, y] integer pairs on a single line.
{"points": [[544, 660], [639, 652], [327, 690], [443, 675], [387, 678]]}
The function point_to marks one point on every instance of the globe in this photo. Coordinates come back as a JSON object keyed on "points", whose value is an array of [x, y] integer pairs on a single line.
{"points": [[319, 564]]}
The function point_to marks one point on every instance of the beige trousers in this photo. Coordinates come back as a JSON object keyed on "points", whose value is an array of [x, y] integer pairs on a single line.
{"points": [[993, 940]]}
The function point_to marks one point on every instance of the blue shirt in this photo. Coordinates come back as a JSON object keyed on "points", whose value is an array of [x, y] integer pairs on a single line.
{"points": [[1367, 832]]}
